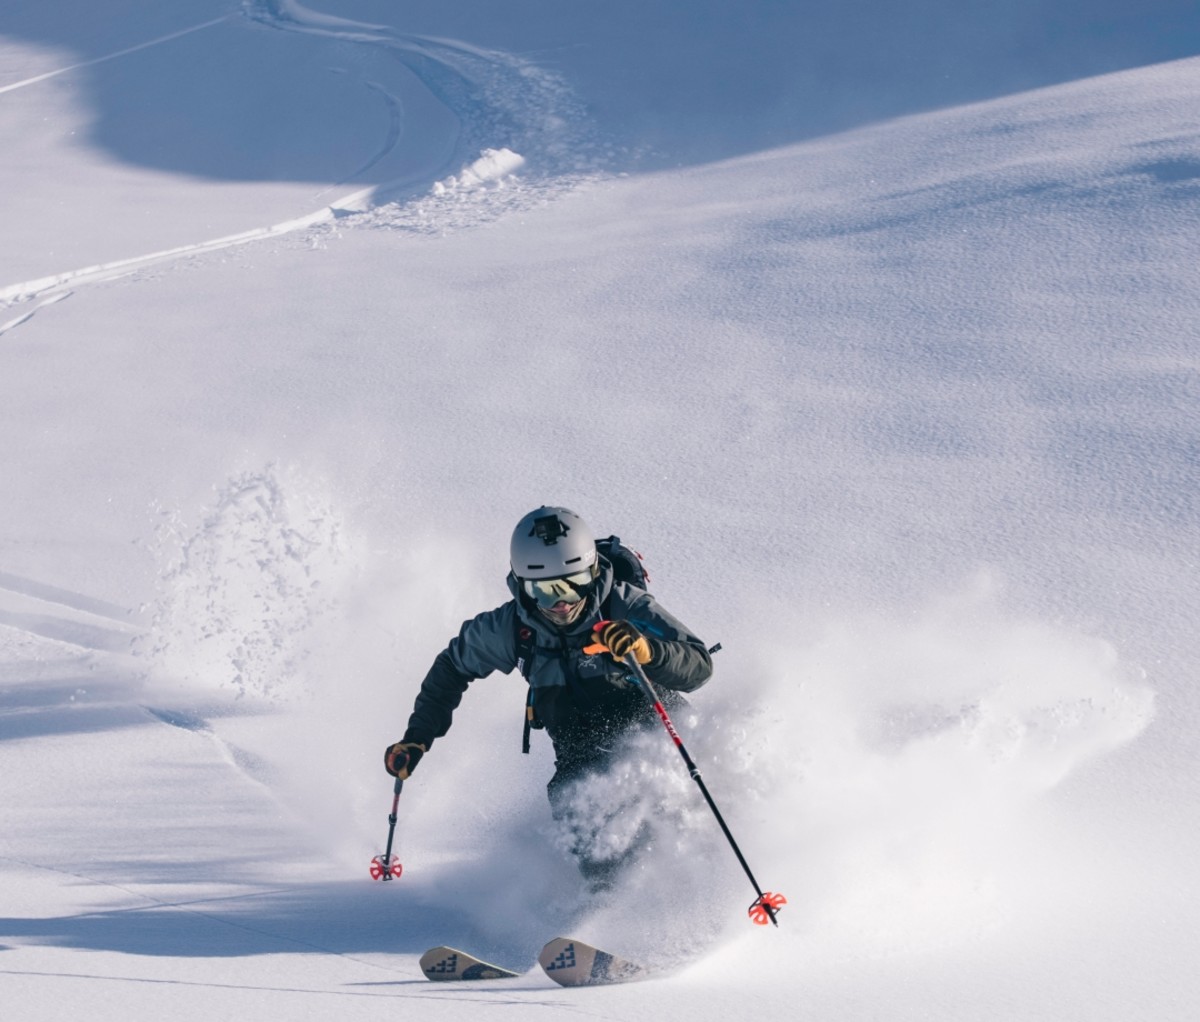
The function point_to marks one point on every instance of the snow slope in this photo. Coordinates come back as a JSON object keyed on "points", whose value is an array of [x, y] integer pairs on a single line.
{"points": [[316, 302]]}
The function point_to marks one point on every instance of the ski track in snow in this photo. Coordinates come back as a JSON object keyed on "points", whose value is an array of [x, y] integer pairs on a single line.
{"points": [[62, 597], [498, 99], [252, 767], [113, 56], [395, 130], [25, 317], [28, 614], [54, 285]]}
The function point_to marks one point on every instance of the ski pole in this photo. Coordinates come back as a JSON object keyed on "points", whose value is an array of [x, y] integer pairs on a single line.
{"points": [[387, 866], [767, 905]]}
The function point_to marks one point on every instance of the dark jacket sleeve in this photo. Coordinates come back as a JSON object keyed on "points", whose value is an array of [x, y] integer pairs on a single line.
{"points": [[484, 644], [681, 659]]}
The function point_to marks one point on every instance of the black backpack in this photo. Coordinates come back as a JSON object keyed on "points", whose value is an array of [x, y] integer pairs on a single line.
{"points": [[627, 567], [627, 563]]}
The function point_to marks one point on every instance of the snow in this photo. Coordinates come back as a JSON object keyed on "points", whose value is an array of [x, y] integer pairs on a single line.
{"points": [[884, 355]]}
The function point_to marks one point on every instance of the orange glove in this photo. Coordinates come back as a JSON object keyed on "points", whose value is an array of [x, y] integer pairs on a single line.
{"points": [[620, 638]]}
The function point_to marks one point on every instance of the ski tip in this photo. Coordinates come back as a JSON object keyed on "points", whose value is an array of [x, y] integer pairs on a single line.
{"points": [[447, 963], [571, 962]]}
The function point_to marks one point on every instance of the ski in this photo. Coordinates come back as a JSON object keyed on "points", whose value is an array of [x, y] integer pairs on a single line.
{"points": [[566, 960], [448, 963], [575, 963]]}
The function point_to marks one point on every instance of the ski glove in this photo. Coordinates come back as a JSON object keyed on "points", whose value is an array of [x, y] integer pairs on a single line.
{"points": [[401, 759], [620, 638]]}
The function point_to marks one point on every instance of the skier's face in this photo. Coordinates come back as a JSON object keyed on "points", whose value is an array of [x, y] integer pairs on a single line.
{"points": [[562, 613]]}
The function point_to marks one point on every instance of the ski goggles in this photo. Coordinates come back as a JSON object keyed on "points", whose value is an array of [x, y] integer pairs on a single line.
{"points": [[547, 592]]}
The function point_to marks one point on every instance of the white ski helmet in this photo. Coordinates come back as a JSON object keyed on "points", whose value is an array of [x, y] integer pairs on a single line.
{"points": [[551, 542]]}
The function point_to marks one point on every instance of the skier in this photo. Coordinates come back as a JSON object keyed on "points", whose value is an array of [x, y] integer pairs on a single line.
{"points": [[573, 625]]}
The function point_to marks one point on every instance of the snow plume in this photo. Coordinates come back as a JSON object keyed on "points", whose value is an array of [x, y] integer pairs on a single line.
{"points": [[242, 594], [888, 773], [889, 776]]}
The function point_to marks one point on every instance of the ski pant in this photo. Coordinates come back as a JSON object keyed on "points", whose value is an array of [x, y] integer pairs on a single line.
{"points": [[600, 820]]}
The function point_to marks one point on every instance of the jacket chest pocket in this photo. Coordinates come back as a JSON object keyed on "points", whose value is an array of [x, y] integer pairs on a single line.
{"points": [[574, 668], [599, 668]]}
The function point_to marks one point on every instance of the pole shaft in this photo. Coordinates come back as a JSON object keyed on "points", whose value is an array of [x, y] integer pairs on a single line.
{"points": [[648, 690], [387, 855]]}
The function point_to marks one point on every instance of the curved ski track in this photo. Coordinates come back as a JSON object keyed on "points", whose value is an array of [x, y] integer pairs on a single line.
{"points": [[499, 100]]}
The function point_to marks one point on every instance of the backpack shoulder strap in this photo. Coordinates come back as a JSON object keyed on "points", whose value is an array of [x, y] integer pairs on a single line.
{"points": [[523, 639]]}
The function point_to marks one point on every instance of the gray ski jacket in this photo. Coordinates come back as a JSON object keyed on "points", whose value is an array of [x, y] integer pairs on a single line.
{"points": [[583, 700]]}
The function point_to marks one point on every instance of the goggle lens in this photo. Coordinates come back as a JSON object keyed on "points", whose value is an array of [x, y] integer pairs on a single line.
{"points": [[550, 591]]}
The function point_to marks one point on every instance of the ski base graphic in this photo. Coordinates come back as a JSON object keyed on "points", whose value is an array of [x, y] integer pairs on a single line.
{"points": [[575, 963], [566, 960], [448, 963]]}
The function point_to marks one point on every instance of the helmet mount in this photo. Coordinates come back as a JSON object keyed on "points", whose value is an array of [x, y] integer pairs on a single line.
{"points": [[549, 528], [551, 542]]}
